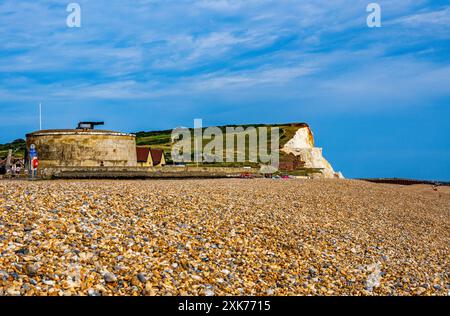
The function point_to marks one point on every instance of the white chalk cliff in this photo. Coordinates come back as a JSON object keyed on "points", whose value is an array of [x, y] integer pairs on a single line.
{"points": [[302, 145]]}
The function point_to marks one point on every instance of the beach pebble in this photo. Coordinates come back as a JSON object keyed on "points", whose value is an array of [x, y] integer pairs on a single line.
{"points": [[222, 237]]}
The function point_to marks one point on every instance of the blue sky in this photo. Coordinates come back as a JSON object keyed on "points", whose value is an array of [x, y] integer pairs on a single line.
{"points": [[378, 100]]}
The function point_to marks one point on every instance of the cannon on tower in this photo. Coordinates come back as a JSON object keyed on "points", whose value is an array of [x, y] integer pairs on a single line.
{"points": [[89, 125]]}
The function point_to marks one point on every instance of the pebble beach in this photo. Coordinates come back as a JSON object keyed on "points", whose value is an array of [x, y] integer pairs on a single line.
{"points": [[223, 237]]}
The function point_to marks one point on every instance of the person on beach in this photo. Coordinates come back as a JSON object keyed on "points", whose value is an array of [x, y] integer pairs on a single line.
{"points": [[13, 170]]}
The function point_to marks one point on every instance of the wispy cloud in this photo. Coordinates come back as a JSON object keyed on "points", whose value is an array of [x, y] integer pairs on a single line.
{"points": [[312, 52]]}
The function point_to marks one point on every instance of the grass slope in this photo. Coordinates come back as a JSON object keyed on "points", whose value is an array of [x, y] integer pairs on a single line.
{"points": [[17, 146], [162, 139]]}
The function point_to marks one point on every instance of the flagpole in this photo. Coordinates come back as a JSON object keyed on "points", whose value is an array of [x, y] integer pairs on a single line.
{"points": [[40, 116]]}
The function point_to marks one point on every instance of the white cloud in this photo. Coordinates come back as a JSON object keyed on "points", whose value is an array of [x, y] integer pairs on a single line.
{"points": [[152, 48], [439, 18]]}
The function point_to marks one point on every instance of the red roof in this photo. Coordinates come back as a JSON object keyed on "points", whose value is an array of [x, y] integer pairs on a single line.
{"points": [[157, 155], [142, 154]]}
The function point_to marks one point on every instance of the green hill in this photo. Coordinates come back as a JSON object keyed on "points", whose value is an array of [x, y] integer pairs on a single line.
{"points": [[17, 146], [162, 139]]}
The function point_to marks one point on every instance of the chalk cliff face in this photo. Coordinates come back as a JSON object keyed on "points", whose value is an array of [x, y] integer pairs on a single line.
{"points": [[302, 139], [302, 145]]}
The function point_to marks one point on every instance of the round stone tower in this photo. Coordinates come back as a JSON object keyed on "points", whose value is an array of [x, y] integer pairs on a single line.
{"points": [[83, 148]]}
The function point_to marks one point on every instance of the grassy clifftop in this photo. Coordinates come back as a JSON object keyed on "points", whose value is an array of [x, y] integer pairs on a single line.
{"points": [[162, 139]]}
